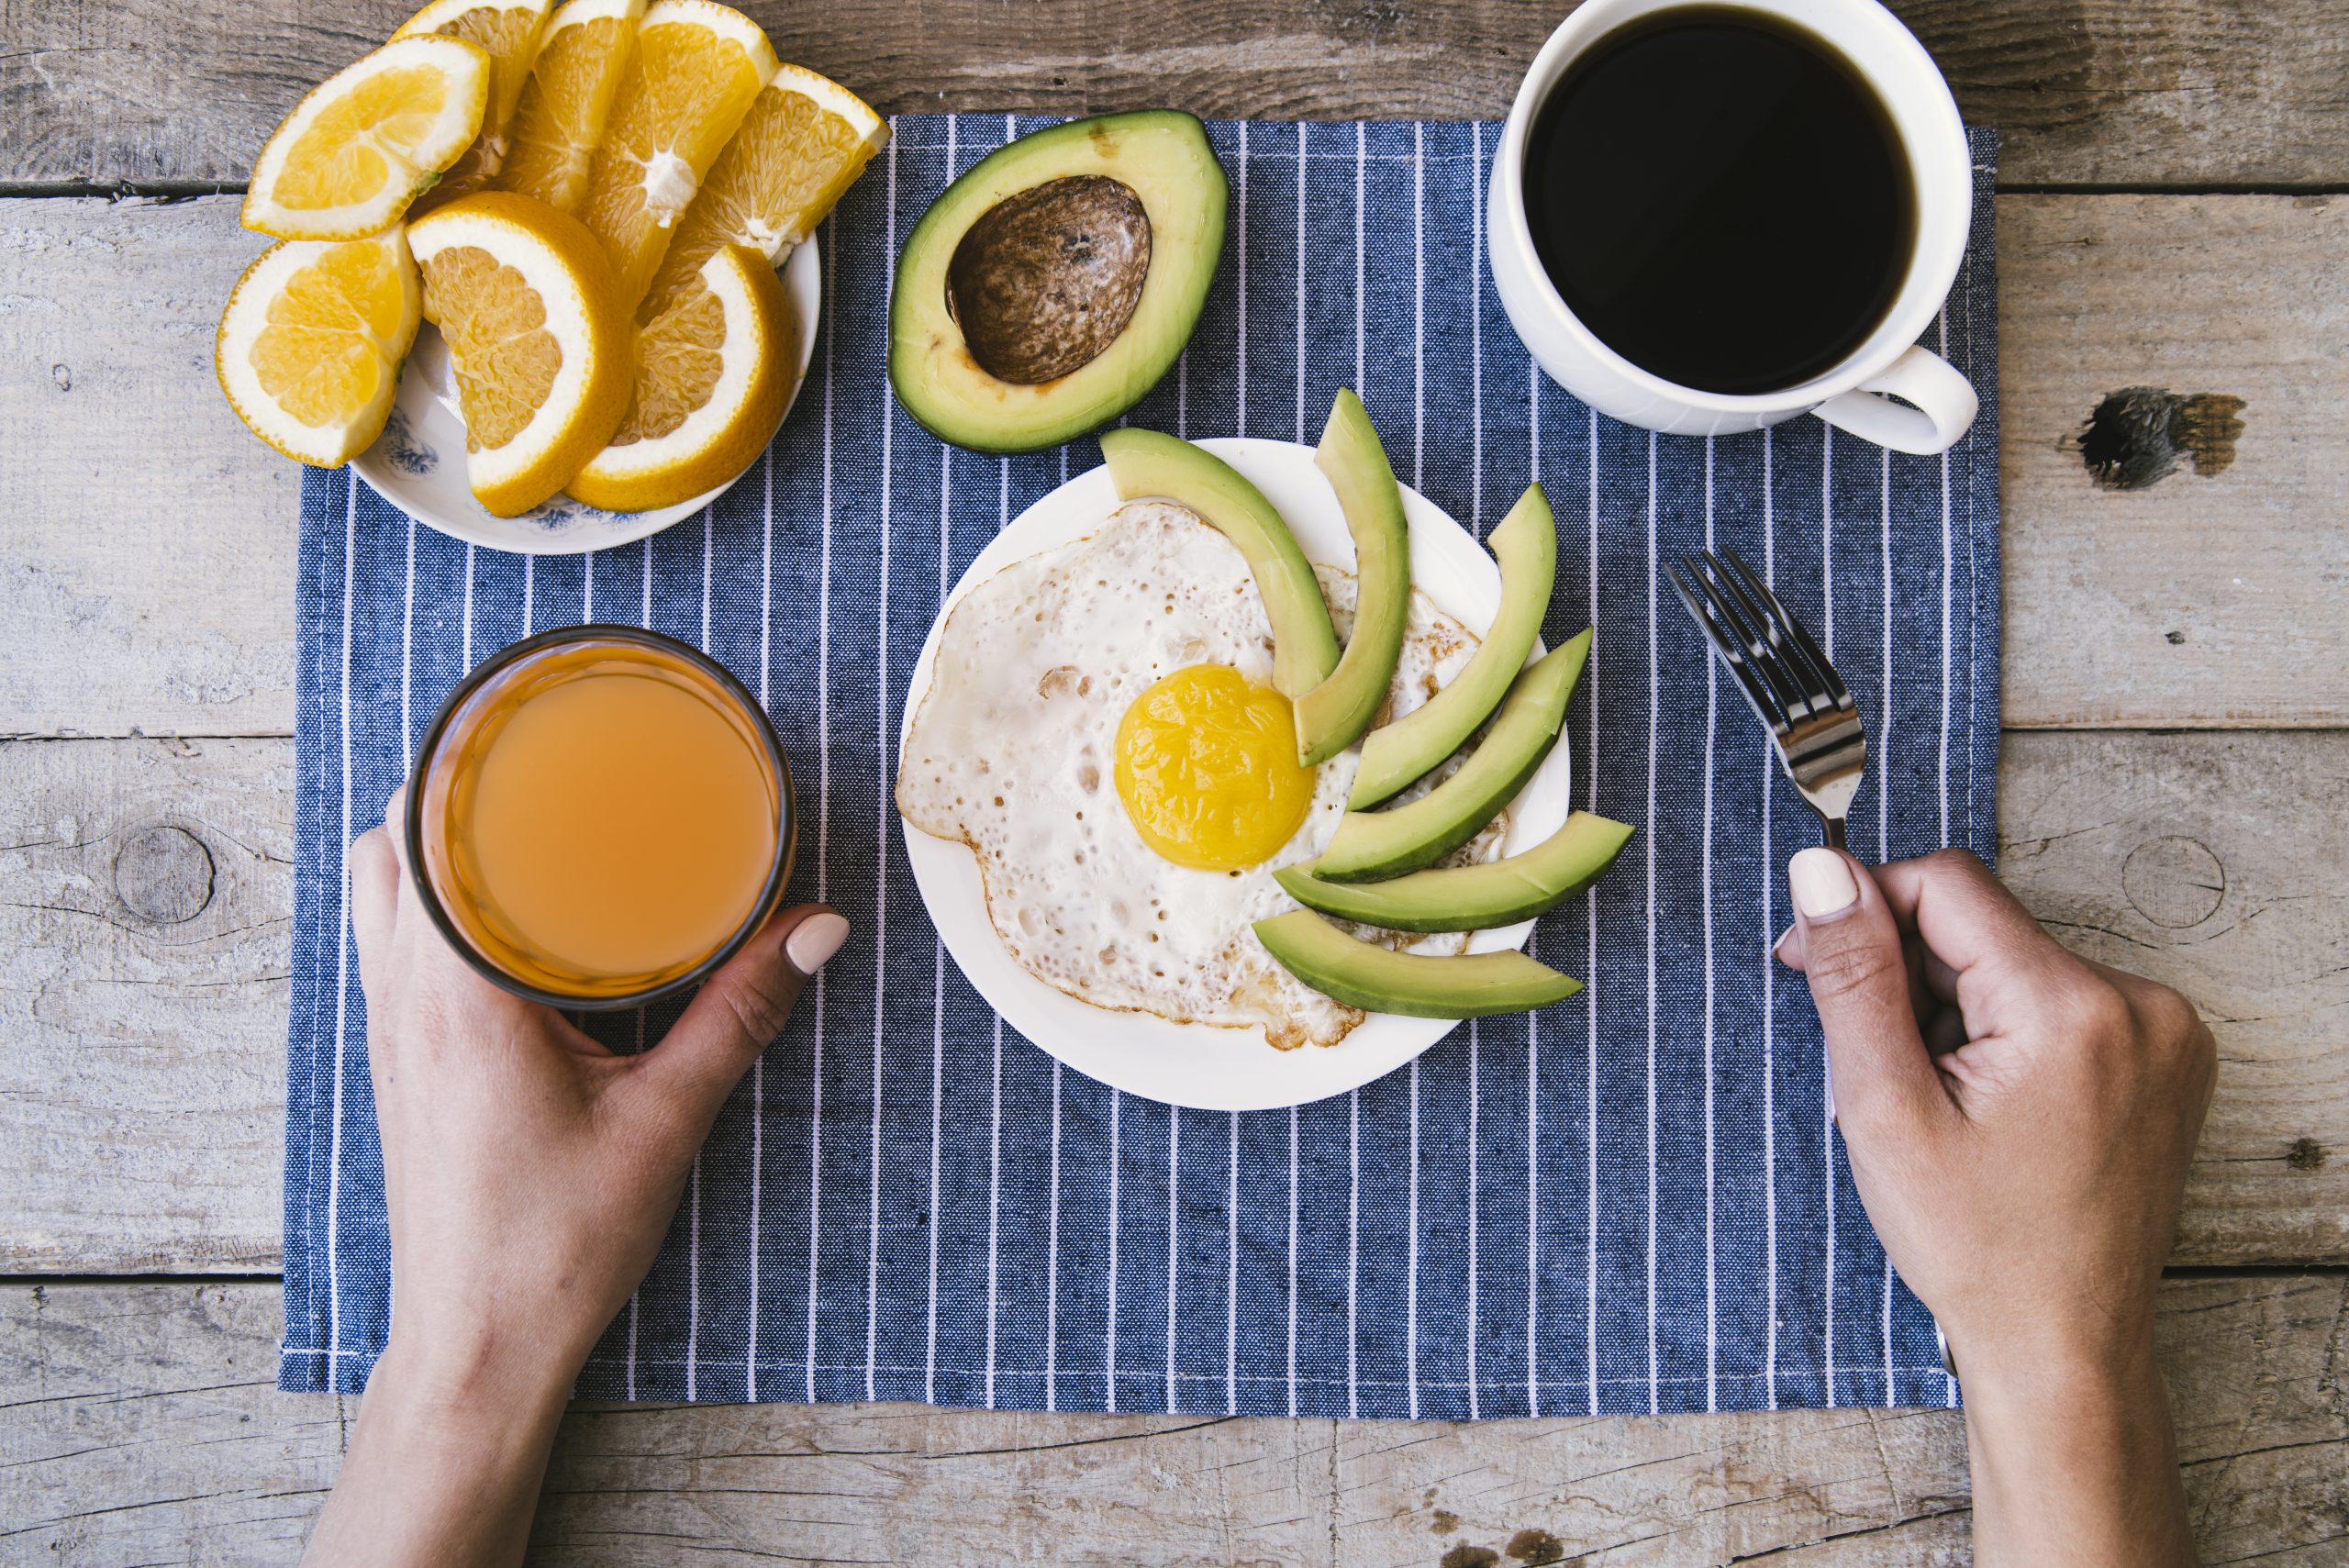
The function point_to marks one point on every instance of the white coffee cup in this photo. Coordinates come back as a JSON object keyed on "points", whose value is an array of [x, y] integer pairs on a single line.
{"points": [[1856, 394]]}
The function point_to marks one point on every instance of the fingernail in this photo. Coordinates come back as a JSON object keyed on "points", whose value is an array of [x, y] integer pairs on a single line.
{"points": [[1821, 884], [813, 941], [1778, 947]]}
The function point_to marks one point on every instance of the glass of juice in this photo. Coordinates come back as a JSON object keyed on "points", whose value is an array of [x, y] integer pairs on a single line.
{"points": [[599, 815]]}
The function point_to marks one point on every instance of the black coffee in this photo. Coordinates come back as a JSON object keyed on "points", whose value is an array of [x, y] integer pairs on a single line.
{"points": [[1720, 198]]}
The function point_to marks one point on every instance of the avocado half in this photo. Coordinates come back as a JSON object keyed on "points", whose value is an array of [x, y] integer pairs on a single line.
{"points": [[1052, 284]]}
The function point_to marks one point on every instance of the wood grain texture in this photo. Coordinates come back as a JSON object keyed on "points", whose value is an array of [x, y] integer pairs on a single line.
{"points": [[2140, 92], [167, 608], [142, 1060], [2201, 598], [136, 1425]]}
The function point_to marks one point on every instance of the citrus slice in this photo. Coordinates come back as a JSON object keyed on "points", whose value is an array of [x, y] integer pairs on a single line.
{"points": [[713, 373], [697, 67], [537, 340], [805, 140], [310, 345], [508, 32], [369, 139], [582, 57]]}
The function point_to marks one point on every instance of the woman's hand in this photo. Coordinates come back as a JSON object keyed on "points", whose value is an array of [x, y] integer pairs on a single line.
{"points": [[2019, 1122], [530, 1174]]}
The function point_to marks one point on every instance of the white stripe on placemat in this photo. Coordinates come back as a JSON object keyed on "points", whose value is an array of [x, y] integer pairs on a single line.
{"points": [[1411, 1256], [1173, 1239], [407, 644], [1654, 705], [1884, 821], [759, 1062], [824, 790], [343, 940], [1053, 1259], [465, 657], [1353, 1252], [1769, 971], [1826, 1071], [1239, 376], [1231, 1275], [1590, 1014], [1475, 1051], [1361, 166], [1292, 1261], [1419, 313], [995, 1192], [693, 1220], [1109, 1345], [1704, 860], [1300, 283]]}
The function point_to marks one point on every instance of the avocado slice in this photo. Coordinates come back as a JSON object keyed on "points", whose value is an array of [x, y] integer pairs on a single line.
{"points": [[1526, 544], [1371, 846], [1305, 646], [1333, 716], [1054, 282], [1380, 980], [1470, 899]]}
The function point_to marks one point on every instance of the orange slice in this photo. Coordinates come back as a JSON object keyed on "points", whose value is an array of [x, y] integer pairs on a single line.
{"points": [[697, 67], [369, 140], [582, 57], [805, 140], [508, 32], [713, 374], [537, 340], [310, 345]]}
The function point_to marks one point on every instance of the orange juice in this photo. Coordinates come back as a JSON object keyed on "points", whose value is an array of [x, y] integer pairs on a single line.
{"points": [[601, 814]]}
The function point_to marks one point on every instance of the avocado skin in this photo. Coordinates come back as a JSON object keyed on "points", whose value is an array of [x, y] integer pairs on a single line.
{"points": [[1380, 980], [1472, 899], [1397, 753], [1148, 462], [1114, 381], [1333, 714], [1371, 846]]}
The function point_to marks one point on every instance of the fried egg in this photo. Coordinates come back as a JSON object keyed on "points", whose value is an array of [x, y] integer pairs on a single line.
{"points": [[1101, 729]]}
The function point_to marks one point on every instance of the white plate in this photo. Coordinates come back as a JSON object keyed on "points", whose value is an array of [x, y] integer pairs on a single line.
{"points": [[418, 463], [1200, 1065]]}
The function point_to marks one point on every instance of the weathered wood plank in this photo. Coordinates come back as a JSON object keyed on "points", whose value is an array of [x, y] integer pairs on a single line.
{"points": [[2205, 597], [2138, 92], [136, 1425], [146, 541], [141, 1057]]}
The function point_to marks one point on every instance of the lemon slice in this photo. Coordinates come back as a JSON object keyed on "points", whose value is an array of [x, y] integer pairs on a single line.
{"points": [[581, 56], [805, 141], [508, 32], [537, 342], [310, 345], [713, 374], [697, 67], [369, 140]]}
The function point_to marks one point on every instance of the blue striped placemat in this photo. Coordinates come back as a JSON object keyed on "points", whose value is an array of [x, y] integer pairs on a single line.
{"points": [[1632, 1201]]}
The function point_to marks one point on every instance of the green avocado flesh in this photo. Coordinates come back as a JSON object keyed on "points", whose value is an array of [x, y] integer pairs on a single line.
{"points": [[1144, 462], [1470, 899], [1333, 716], [1052, 284], [1380, 980], [1371, 846], [1526, 542]]}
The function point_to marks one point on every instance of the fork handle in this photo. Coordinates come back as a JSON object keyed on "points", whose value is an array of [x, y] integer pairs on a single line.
{"points": [[1834, 831]]}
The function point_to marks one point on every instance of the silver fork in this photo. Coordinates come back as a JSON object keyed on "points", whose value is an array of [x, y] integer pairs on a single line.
{"points": [[1793, 688]]}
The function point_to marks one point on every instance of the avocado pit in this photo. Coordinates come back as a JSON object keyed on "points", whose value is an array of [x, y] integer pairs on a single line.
{"points": [[1048, 278]]}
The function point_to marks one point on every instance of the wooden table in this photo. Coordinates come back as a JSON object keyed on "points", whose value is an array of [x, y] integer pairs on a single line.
{"points": [[2175, 798]]}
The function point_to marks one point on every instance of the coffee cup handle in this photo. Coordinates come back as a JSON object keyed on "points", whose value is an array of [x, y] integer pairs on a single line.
{"points": [[1943, 401]]}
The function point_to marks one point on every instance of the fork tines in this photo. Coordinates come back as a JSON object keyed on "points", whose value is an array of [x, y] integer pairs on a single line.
{"points": [[1785, 675]]}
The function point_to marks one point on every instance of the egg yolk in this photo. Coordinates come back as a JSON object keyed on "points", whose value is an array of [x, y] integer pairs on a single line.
{"points": [[1206, 765]]}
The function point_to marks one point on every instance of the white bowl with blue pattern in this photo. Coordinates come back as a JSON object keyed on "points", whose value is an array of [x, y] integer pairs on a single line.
{"points": [[418, 463]]}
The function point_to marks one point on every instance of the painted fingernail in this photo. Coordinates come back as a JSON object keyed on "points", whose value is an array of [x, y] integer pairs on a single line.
{"points": [[813, 941], [1821, 884]]}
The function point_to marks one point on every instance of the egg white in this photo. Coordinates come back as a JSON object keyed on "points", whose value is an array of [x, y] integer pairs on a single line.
{"points": [[1011, 752]]}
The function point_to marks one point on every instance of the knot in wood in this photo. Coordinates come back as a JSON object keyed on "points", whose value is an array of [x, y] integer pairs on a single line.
{"points": [[164, 875], [2175, 881]]}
